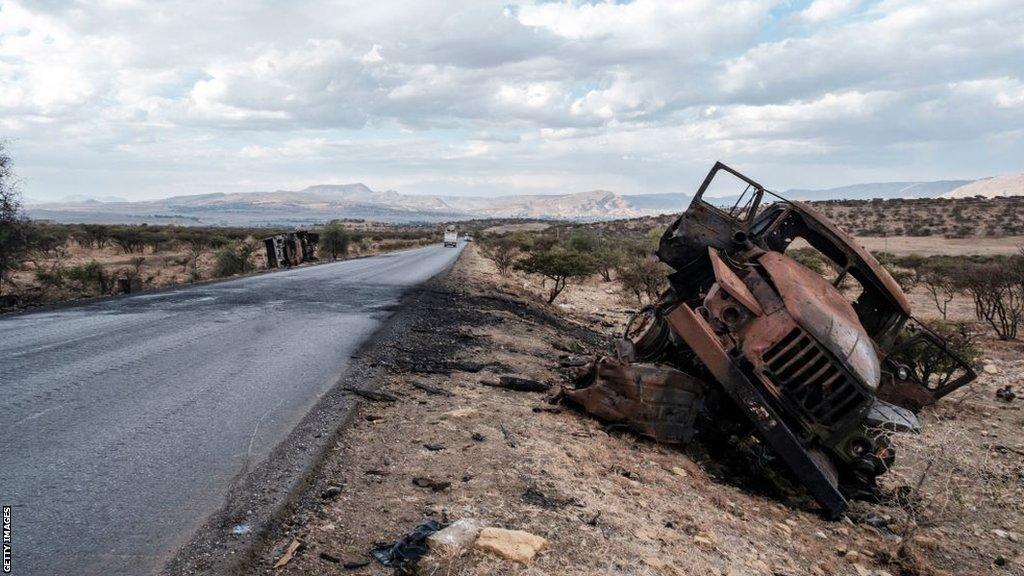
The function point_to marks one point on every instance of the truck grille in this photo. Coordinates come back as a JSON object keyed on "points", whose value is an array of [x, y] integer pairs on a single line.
{"points": [[811, 380]]}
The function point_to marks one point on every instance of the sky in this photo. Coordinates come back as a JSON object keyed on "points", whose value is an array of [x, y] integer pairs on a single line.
{"points": [[142, 100]]}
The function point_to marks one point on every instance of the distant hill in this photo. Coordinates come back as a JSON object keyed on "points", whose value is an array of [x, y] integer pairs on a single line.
{"points": [[317, 204], [874, 190], [1009, 185], [669, 203]]}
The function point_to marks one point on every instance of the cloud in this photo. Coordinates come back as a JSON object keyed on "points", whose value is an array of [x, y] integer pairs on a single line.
{"points": [[140, 98], [825, 10]]}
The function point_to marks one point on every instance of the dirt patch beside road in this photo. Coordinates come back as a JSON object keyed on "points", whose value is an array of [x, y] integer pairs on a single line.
{"points": [[448, 447]]}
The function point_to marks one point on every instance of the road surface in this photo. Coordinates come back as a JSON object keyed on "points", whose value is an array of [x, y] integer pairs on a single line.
{"points": [[124, 422]]}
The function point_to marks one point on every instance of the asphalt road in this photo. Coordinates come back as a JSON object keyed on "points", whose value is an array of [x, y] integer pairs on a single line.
{"points": [[124, 422]]}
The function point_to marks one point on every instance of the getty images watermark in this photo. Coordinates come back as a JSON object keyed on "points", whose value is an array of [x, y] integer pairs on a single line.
{"points": [[7, 539]]}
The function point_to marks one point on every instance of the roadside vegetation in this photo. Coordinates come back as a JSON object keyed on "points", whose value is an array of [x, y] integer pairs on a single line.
{"points": [[43, 262], [621, 255]]}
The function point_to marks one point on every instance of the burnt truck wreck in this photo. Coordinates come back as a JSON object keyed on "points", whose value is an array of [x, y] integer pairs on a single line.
{"points": [[291, 249], [816, 369]]}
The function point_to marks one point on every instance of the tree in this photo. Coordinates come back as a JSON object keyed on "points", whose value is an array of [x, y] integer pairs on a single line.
{"points": [[559, 265], [129, 239], [334, 240], [198, 243], [95, 235], [940, 284], [502, 251], [15, 238]]}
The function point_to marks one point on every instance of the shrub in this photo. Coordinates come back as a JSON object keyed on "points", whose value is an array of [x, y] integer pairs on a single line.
{"points": [[14, 228], [90, 278], [334, 240], [808, 258], [939, 281], [642, 275], [235, 258], [997, 288], [559, 265]]}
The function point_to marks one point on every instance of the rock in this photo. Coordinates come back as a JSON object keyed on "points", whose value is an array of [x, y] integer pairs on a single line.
{"points": [[990, 369], [514, 545], [861, 570], [821, 535], [680, 472], [456, 537], [435, 485], [461, 413], [328, 557], [331, 492], [706, 538], [1001, 533]]}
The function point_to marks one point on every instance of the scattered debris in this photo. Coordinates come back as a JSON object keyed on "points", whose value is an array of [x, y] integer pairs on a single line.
{"points": [[409, 549], [458, 536], [1006, 394], [355, 565], [509, 438], [371, 394], [655, 401], [518, 384], [514, 545], [534, 496], [434, 447], [289, 553], [435, 485], [478, 437], [331, 492], [573, 361], [241, 529]]}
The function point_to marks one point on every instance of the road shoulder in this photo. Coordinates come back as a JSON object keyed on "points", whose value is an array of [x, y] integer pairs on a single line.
{"points": [[260, 498]]}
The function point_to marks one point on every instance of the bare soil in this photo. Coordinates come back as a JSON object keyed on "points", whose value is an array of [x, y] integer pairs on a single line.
{"points": [[609, 502]]}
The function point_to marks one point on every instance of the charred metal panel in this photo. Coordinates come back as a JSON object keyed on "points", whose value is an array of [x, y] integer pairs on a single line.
{"points": [[653, 400]]}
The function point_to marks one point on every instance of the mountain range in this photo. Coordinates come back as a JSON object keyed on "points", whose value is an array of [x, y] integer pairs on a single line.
{"points": [[316, 204]]}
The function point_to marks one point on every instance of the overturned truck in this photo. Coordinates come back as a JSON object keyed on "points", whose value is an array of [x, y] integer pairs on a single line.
{"points": [[814, 368]]}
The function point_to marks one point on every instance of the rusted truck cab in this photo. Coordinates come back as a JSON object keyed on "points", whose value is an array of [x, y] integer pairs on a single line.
{"points": [[817, 363]]}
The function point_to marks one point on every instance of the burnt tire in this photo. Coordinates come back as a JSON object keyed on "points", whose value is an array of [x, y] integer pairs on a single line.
{"points": [[824, 463]]}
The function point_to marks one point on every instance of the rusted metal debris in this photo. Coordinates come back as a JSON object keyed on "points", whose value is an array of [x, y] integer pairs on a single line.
{"points": [[818, 368]]}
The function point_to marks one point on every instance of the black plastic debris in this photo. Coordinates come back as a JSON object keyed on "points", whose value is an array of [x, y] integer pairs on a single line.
{"points": [[407, 551], [518, 384], [1006, 394]]}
